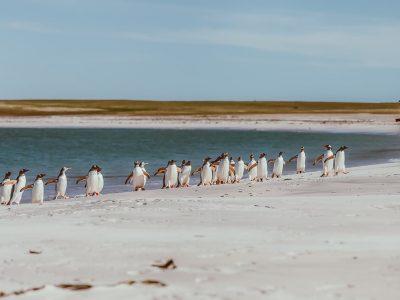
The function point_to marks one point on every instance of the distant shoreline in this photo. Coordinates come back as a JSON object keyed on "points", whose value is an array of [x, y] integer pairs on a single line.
{"points": [[335, 123], [14, 108]]}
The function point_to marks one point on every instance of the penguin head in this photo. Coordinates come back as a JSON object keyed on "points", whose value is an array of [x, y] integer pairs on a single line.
{"points": [[302, 148], [251, 156], [93, 168], [183, 162], [40, 176], [188, 163], [65, 169], [207, 159], [136, 163], [262, 155], [23, 171], [280, 153], [98, 169], [239, 158], [7, 175], [345, 147], [328, 147], [173, 162]]}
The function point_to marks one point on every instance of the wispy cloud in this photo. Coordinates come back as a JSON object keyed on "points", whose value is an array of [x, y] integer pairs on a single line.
{"points": [[28, 26]]}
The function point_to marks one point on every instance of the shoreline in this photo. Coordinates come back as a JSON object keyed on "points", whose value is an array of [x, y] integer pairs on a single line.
{"points": [[341, 123], [301, 237]]}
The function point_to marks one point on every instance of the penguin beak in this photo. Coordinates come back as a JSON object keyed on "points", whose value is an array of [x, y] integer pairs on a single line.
{"points": [[25, 170]]}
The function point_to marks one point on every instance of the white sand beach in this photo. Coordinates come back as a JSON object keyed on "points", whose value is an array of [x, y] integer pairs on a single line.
{"points": [[351, 123], [299, 237]]}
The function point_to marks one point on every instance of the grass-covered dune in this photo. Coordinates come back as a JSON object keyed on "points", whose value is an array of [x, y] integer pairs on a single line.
{"points": [[176, 108]]}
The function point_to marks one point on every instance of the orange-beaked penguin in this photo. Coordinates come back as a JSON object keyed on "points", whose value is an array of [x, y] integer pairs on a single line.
{"points": [[61, 183], [340, 161], [184, 175], [6, 189], [279, 162], [262, 167], [137, 177], [206, 172], [92, 181], [239, 169], [37, 189], [251, 168], [327, 161], [18, 184], [171, 175], [300, 161], [224, 169]]}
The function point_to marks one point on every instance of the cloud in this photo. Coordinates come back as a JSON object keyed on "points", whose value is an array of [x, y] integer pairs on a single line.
{"points": [[29, 26], [374, 44]]}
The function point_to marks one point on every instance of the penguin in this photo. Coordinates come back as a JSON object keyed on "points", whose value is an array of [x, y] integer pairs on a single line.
{"points": [[137, 177], [300, 160], [6, 189], [206, 172], [279, 162], [18, 184], [162, 170], [232, 170], [239, 169], [184, 176], [92, 181], [61, 183], [340, 161], [327, 161], [100, 181], [171, 175], [224, 169], [37, 189], [251, 168], [262, 167]]}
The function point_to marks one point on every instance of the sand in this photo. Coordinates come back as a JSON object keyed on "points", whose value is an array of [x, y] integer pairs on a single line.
{"points": [[299, 237], [351, 123]]}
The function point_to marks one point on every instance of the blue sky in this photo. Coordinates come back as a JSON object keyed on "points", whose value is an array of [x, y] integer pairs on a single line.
{"points": [[205, 49]]}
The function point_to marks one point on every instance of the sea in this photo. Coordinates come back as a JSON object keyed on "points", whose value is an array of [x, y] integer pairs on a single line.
{"points": [[115, 150]]}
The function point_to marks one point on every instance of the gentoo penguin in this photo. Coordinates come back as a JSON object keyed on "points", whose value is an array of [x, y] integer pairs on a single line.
{"points": [[184, 175], [37, 189], [224, 169], [171, 175], [92, 181], [162, 170], [327, 161], [6, 189], [19, 183], [340, 161], [262, 167], [61, 183], [206, 172], [301, 161], [251, 168], [239, 169], [232, 170], [279, 162], [137, 177], [100, 181]]}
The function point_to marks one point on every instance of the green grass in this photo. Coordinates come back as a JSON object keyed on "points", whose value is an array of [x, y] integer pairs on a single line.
{"points": [[180, 108]]}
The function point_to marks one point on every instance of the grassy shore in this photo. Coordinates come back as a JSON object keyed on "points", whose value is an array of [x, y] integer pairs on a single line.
{"points": [[176, 108]]}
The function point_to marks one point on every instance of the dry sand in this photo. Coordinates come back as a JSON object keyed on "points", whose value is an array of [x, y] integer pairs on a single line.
{"points": [[299, 237], [365, 123]]}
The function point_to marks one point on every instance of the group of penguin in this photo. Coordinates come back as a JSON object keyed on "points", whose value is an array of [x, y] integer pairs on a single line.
{"points": [[221, 170]]}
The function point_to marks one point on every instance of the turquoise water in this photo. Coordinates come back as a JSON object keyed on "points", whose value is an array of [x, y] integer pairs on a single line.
{"points": [[47, 150]]}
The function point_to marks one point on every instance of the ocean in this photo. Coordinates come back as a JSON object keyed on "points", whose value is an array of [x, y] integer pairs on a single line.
{"points": [[115, 150]]}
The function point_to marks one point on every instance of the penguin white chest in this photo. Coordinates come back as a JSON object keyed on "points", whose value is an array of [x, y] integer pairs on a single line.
{"points": [[253, 171], [92, 182], [278, 166], [262, 168], [328, 165], [206, 174], [62, 185], [138, 178], [38, 191], [223, 170], [301, 162], [171, 176]]}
